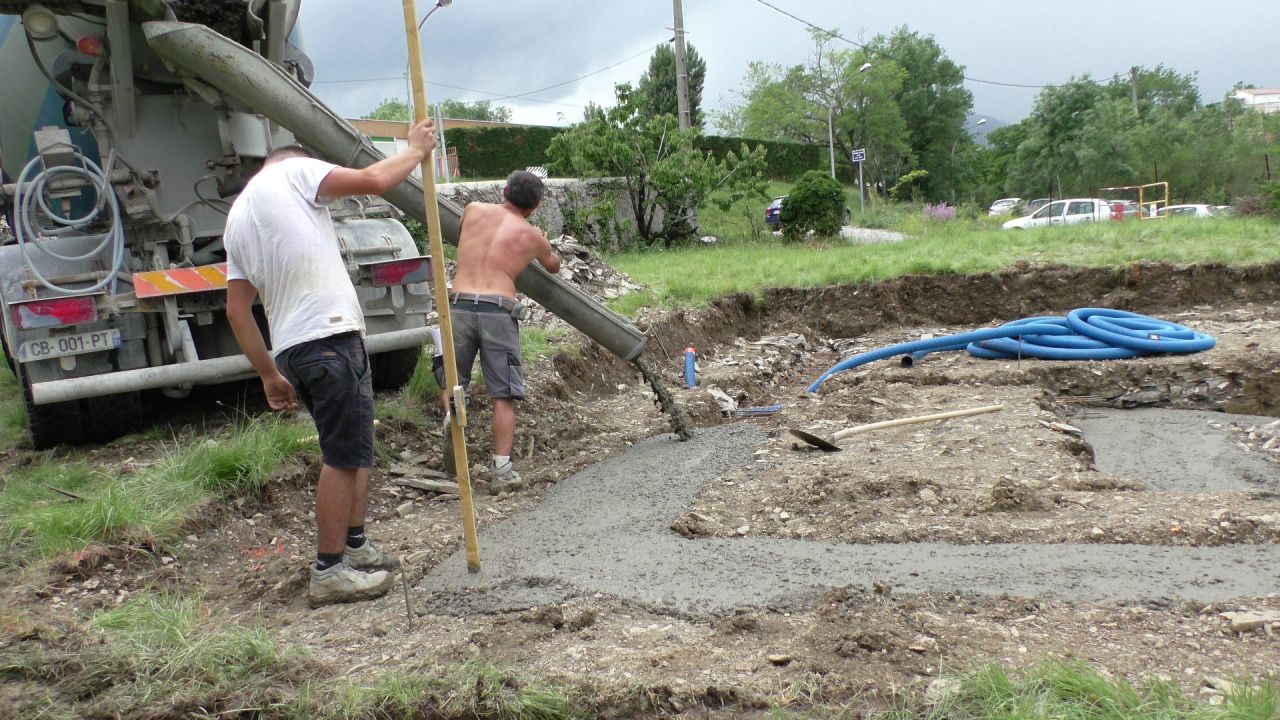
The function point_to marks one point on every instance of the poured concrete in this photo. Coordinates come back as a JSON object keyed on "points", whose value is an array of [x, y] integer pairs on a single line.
{"points": [[1178, 450], [605, 530]]}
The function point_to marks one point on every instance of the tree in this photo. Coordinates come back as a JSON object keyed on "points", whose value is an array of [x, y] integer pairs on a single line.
{"points": [[933, 102], [390, 109], [792, 104], [661, 171], [478, 110], [396, 109], [658, 84]]}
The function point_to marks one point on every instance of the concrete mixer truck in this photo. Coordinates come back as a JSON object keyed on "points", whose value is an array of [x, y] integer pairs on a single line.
{"points": [[126, 129]]}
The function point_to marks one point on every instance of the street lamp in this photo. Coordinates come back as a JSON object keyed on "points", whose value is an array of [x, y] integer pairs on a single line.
{"points": [[982, 121], [831, 136]]}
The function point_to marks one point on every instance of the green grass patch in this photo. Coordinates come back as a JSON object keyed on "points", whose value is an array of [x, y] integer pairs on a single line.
{"points": [[13, 417], [155, 656], [696, 275], [53, 507], [473, 690], [1074, 691]]}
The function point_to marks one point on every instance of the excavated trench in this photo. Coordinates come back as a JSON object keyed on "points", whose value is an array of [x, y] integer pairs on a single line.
{"points": [[607, 529]]}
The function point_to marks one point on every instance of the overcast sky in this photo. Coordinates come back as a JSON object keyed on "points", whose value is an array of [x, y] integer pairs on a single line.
{"points": [[501, 48]]}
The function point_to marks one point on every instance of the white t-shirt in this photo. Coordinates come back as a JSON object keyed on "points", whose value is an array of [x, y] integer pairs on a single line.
{"points": [[280, 239]]}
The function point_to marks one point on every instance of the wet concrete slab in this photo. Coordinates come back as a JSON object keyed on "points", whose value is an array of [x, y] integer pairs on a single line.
{"points": [[606, 530], [1170, 450]]}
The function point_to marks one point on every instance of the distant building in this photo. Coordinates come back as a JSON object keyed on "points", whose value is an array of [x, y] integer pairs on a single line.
{"points": [[1264, 100]]}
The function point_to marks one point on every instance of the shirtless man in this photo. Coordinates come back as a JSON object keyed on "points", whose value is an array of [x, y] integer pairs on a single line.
{"points": [[496, 245]]}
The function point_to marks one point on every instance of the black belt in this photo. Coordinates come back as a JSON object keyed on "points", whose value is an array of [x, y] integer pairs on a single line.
{"points": [[501, 301]]}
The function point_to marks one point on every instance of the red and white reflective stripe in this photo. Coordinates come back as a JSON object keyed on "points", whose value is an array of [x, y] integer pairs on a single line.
{"points": [[180, 281]]}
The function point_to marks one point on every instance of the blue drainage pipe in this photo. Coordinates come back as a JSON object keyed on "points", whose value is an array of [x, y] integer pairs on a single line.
{"points": [[1084, 334]]}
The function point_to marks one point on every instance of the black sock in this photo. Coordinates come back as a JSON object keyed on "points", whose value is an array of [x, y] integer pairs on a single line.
{"points": [[355, 536], [324, 561]]}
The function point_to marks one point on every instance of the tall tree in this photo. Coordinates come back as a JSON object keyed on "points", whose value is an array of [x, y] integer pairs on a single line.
{"points": [[934, 104], [795, 104], [658, 84]]}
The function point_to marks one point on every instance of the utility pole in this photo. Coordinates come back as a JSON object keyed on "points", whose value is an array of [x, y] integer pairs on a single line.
{"points": [[682, 71], [1133, 87]]}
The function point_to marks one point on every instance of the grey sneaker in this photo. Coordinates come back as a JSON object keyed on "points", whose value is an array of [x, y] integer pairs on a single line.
{"points": [[368, 557], [341, 583], [505, 482]]}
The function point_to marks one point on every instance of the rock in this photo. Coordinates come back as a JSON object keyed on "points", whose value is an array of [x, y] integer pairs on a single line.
{"points": [[928, 496], [941, 689], [743, 529], [1243, 622], [1097, 533], [922, 644], [780, 659], [435, 486], [404, 508]]}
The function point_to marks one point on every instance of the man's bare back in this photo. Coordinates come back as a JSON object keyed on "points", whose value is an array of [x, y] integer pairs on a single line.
{"points": [[495, 246]]}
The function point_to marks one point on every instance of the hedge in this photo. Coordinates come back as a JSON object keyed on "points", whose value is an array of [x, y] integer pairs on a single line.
{"points": [[495, 152]]}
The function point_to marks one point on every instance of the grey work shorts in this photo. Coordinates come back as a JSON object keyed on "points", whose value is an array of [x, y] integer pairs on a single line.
{"points": [[331, 377], [487, 330]]}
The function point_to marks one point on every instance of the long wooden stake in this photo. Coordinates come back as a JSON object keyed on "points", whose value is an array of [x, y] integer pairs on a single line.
{"points": [[457, 418]]}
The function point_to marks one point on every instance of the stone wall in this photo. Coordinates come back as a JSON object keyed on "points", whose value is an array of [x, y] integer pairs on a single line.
{"points": [[566, 209]]}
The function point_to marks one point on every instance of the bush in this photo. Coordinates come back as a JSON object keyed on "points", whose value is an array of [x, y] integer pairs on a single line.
{"points": [[1270, 198], [495, 152], [816, 203], [941, 212]]}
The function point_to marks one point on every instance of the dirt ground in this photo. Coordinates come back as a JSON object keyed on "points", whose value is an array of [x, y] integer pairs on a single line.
{"points": [[1024, 474]]}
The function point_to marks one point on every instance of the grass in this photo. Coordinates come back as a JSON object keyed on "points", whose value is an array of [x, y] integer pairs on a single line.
{"points": [[13, 418], [696, 275], [472, 690], [52, 507], [1075, 691]]}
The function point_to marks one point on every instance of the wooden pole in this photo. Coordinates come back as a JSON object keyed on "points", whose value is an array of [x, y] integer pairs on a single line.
{"points": [[458, 417]]}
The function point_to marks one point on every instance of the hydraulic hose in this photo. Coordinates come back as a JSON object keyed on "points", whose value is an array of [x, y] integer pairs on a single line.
{"points": [[31, 196], [1084, 334]]}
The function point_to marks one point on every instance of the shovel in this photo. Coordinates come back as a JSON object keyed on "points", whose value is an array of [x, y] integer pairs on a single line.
{"points": [[828, 444]]}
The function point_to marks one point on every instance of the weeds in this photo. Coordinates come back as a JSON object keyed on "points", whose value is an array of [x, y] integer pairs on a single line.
{"points": [[13, 417], [51, 507]]}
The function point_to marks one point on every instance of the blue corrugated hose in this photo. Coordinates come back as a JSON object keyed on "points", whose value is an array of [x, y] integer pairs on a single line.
{"points": [[1084, 334]]}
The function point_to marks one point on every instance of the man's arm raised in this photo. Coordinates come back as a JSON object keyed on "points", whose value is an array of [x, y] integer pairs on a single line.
{"points": [[385, 174]]}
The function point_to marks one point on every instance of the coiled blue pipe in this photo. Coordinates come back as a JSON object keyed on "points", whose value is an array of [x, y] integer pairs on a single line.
{"points": [[1084, 334]]}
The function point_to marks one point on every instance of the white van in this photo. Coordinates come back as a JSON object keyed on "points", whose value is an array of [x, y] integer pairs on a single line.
{"points": [[1064, 212]]}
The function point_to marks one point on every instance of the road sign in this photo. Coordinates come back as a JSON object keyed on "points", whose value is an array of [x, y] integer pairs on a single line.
{"points": [[859, 155]]}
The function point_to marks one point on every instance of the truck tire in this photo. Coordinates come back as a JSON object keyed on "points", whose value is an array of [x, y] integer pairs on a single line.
{"points": [[392, 369], [54, 424], [107, 418]]}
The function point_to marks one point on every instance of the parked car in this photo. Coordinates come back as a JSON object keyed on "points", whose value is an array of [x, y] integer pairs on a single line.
{"points": [[1003, 206], [1064, 212], [1035, 205], [773, 213], [1197, 210]]}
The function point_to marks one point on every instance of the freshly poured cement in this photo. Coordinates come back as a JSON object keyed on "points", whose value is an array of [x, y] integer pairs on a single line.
{"points": [[1177, 450], [605, 530]]}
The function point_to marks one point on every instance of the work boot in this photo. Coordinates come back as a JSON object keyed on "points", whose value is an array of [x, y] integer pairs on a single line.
{"points": [[342, 583], [368, 557]]}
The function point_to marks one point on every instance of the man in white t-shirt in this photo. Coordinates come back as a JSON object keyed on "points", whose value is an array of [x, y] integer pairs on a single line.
{"points": [[281, 246]]}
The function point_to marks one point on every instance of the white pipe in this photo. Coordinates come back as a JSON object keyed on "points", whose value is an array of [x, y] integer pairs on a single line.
{"points": [[216, 370]]}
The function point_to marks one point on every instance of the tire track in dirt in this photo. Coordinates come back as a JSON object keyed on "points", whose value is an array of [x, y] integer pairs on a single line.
{"points": [[606, 530]]}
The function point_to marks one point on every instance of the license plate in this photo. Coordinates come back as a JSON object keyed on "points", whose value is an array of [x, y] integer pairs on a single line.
{"points": [[64, 345]]}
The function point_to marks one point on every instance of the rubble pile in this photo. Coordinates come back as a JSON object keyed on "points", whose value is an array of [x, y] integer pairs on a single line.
{"points": [[581, 266]]}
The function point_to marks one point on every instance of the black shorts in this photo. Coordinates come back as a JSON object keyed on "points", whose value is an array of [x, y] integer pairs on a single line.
{"points": [[332, 379], [488, 330]]}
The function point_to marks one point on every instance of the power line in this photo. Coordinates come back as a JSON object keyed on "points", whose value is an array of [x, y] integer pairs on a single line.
{"points": [[861, 46], [500, 96], [439, 84]]}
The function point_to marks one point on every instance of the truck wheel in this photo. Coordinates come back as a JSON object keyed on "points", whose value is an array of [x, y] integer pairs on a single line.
{"points": [[107, 418], [392, 369], [54, 424]]}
